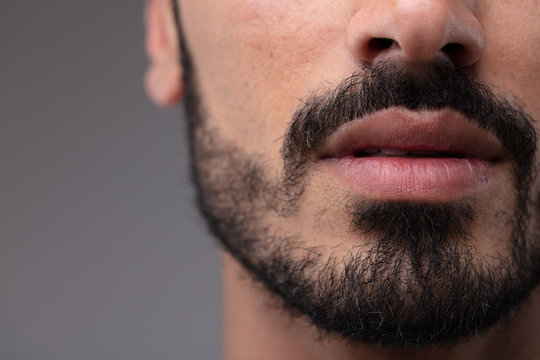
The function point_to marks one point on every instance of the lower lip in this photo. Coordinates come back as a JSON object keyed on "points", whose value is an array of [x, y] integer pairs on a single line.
{"points": [[401, 178]]}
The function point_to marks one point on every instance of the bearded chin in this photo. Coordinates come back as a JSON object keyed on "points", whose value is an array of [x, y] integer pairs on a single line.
{"points": [[416, 280]]}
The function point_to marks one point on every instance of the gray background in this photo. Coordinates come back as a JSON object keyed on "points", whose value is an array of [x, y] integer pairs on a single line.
{"points": [[102, 253]]}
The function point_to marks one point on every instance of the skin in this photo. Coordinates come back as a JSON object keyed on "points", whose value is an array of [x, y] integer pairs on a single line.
{"points": [[256, 58]]}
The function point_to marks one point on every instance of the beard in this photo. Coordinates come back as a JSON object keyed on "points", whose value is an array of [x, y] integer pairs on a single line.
{"points": [[415, 278]]}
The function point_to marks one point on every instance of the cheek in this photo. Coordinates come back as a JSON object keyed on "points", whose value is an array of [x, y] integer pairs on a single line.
{"points": [[511, 58], [511, 61], [259, 60]]}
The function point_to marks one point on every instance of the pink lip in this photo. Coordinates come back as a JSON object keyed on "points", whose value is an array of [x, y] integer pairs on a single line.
{"points": [[420, 178]]}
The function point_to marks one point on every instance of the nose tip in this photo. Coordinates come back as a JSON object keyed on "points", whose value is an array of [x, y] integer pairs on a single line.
{"points": [[416, 31]]}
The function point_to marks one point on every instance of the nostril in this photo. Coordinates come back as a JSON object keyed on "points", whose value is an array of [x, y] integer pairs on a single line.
{"points": [[453, 50], [380, 44]]}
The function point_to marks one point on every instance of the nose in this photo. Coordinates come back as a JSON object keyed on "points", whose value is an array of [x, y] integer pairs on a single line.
{"points": [[416, 31]]}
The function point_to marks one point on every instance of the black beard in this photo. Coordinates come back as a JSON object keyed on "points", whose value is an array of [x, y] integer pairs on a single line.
{"points": [[419, 281]]}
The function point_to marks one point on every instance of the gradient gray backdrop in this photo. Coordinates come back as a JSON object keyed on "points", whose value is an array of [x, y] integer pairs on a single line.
{"points": [[102, 253]]}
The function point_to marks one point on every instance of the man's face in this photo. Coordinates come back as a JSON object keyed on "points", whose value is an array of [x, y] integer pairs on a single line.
{"points": [[372, 162]]}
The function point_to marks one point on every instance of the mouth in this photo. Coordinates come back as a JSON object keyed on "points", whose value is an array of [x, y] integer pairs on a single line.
{"points": [[398, 154]]}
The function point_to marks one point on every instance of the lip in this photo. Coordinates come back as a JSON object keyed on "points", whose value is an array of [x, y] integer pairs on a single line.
{"points": [[422, 178]]}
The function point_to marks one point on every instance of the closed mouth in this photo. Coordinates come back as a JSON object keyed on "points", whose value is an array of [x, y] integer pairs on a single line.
{"points": [[401, 154]]}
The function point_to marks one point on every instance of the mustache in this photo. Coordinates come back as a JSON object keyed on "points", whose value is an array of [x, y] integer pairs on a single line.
{"points": [[387, 84]]}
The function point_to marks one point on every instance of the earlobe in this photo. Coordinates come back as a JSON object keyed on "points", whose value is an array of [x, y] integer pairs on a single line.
{"points": [[163, 80]]}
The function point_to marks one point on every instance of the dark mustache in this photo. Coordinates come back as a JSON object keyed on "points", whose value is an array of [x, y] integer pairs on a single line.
{"points": [[440, 85]]}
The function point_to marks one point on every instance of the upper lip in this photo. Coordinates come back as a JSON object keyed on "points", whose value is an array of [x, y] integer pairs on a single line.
{"points": [[444, 131]]}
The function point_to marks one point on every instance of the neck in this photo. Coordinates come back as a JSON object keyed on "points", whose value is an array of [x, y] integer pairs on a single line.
{"points": [[255, 328]]}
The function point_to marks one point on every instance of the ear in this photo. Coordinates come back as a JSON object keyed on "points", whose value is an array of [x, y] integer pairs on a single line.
{"points": [[163, 80]]}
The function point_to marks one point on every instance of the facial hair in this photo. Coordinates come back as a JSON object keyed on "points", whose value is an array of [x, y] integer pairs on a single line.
{"points": [[419, 282]]}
